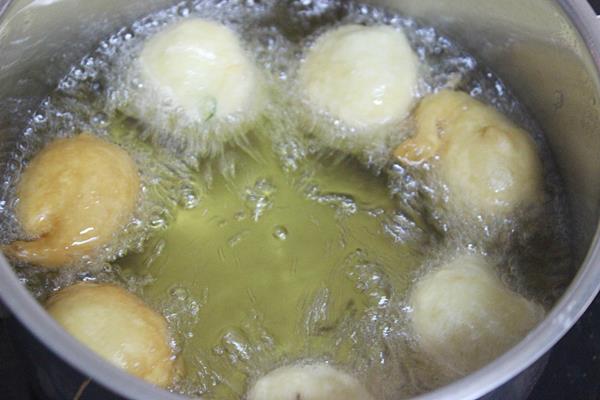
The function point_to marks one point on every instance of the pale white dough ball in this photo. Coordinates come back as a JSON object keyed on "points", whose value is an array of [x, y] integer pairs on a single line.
{"points": [[200, 67], [365, 76], [489, 165], [317, 381], [119, 327], [464, 316]]}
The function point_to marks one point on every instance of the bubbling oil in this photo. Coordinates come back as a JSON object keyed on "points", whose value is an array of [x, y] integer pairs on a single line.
{"points": [[273, 247]]}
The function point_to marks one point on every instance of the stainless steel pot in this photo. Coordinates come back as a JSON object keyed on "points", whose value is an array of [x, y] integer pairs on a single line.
{"points": [[548, 52]]}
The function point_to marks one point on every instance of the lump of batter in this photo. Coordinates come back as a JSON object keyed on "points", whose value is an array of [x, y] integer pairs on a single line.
{"points": [[119, 327], [364, 76], [73, 197], [317, 381], [488, 163], [464, 316], [199, 67]]}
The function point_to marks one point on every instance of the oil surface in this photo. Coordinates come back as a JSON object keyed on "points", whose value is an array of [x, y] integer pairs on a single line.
{"points": [[258, 247]]}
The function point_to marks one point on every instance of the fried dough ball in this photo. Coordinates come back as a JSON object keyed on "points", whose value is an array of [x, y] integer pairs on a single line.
{"points": [[200, 67], [317, 381], [464, 316], [488, 163], [119, 327], [365, 76], [72, 198]]}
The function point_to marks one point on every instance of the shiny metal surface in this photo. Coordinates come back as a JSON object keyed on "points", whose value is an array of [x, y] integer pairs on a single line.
{"points": [[548, 52]]}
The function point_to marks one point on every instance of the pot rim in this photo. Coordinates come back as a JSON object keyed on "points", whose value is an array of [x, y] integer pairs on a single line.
{"points": [[538, 342]]}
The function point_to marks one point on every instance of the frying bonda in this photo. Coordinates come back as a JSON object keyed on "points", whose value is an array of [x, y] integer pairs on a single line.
{"points": [[318, 381], [365, 76], [464, 316], [73, 197], [489, 164], [119, 327]]}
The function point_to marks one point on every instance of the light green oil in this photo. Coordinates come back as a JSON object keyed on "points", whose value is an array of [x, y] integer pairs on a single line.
{"points": [[261, 245]]}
